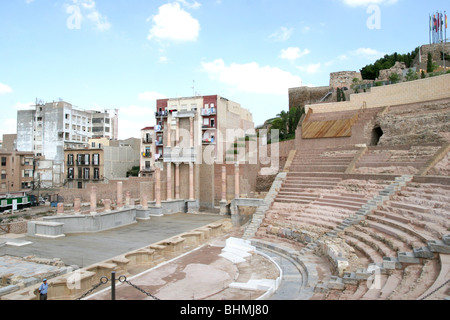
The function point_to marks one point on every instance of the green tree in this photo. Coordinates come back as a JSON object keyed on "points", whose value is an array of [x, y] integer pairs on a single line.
{"points": [[430, 65], [286, 122], [394, 78], [411, 75]]}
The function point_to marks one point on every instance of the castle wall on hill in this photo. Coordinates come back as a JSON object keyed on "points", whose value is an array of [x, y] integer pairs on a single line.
{"points": [[302, 96], [427, 89]]}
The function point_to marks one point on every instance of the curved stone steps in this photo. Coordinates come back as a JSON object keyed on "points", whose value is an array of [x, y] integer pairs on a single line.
{"points": [[383, 249], [444, 275], [395, 244], [407, 234]]}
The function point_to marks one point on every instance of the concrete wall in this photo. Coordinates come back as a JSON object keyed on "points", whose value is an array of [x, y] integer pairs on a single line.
{"points": [[93, 223], [118, 160], [25, 130]]}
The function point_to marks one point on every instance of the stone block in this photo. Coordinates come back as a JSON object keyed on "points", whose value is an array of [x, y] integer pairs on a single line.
{"points": [[391, 263], [438, 246], [407, 257], [423, 252], [9, 289], [349, 278], [336, 283], [362, 274], [446, 239]]}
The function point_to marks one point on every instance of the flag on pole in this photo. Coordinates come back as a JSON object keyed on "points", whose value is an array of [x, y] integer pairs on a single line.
{"points": [[446, 22]]}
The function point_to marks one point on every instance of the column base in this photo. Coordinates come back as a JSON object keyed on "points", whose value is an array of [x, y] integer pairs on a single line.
{"points": [[223, 208], [192, 206]]}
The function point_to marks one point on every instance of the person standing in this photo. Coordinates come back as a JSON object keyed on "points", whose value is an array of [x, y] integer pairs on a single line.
{"points": [[43, 290]]}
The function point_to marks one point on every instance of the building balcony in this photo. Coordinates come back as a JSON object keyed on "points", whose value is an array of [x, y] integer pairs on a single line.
{"points": [[147, 141], [146, 154], [209, 112], [208, 141], [179, 155], [206, 127], [162, 114], [159, 143]]}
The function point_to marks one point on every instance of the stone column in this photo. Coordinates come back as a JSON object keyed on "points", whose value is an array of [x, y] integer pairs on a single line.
{"points": [[223, 202], [169, 182], [177, 135], [127, 199], [191, 182], [237, 192], [169, 136], [93, 200], [144, 195], [177, 181], [224, 183], [191, 120], [60, 210], [107, 204], [77, 206], [158, 187], [119, 195]]}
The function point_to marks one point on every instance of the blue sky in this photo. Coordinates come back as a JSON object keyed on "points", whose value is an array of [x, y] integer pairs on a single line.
{"points": [[125, 54]]}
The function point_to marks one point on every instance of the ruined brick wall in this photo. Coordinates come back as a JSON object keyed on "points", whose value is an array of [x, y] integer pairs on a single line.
{"points": [[105, 191]]}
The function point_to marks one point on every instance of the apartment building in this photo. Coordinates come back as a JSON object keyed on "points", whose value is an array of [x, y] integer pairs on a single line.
{"points": [[47, 129], [16, 171], [84, 166], [102, 161], [147, 155]]}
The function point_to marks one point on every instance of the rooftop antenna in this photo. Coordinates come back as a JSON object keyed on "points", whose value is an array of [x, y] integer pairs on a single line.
{"points": [[193, 88]]}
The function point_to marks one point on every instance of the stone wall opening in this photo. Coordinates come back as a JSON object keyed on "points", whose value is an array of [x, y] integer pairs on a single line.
{"points": [[377, 133]]}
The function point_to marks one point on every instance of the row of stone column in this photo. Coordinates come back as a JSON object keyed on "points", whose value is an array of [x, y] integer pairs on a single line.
{"points": [[144, 194]]}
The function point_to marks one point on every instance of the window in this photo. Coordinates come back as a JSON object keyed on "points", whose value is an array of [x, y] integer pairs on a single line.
{"points": [[70, 160], [96, 159], [96, 173], [213, 123], [86, 174], [3, 161], [80, 173], [67, 116], [70, 173], [86, 159], [80, 159], [206, 122], [3, 174]]}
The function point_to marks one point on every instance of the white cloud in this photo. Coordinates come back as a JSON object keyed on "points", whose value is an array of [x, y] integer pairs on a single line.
{"points": [[173, 23], [4, 89], [365, 3], [293, 53], [91, 13], [151, 96], [282, 34], [311, 68], [134, 118], [251, 77], [367, 53]]}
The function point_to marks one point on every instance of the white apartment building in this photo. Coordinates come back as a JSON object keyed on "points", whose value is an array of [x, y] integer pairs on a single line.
{"points": [[48, 129]]}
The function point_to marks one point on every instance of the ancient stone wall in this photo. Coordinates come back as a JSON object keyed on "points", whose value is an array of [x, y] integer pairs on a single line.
{"points": [[344, 78], [299, 97]]}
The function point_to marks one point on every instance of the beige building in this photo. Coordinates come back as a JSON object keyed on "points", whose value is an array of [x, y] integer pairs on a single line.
{"points": [[147, 155], [84, 166], [16, 171], [192, 135]]}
